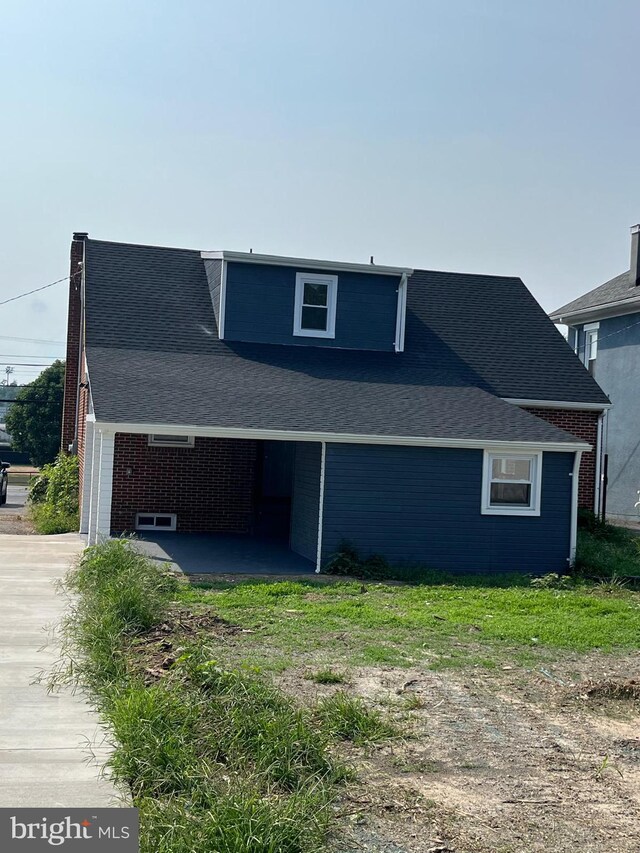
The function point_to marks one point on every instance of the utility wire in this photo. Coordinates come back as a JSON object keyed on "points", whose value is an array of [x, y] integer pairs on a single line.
{"points": [[30, 340], [610, 335], [38, 289]]}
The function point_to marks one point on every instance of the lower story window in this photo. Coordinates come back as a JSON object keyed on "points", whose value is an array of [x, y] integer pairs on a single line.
{"points": [[156, 521], [511, 483]]}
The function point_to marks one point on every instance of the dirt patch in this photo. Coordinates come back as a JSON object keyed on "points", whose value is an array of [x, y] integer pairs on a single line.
{"points": [[156, 651], [505, 761], [19, 523]]}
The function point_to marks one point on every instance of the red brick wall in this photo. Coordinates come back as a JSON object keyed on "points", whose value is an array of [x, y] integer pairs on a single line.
{"points": [[584, 425], [73, 344], [209, 486]]}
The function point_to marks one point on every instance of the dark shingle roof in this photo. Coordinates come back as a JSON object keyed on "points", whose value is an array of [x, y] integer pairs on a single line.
{"points": [[154, 357], [617, 290]]}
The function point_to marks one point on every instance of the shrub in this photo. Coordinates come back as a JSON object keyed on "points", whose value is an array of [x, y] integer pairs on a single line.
{"points": [[347, 561], [53, 497]]}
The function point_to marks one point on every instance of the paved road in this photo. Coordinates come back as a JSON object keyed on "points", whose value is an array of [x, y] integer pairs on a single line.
{"points": [[16, 500], [43, 755]]}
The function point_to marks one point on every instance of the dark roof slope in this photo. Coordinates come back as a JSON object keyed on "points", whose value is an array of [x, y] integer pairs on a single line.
{"points": [[617, 290], [150, 327]]}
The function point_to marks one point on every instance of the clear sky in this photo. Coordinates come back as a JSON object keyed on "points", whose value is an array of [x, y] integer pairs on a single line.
{"points": [[496, 136]]}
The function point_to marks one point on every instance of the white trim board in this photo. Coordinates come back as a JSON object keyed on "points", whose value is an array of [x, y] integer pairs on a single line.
{"points": [[557, 404], [309, 263], [401, 315], [341, 438]]}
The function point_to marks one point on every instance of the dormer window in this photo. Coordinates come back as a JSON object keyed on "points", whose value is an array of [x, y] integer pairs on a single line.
{"points": [[315, 305]]}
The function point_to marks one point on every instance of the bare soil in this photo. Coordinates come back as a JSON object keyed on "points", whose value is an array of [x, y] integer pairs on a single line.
{"points": [[510, 760], [15, 522]]}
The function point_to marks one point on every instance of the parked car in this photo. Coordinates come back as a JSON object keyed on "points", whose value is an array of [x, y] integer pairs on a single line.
{"points": [[4, 481]]}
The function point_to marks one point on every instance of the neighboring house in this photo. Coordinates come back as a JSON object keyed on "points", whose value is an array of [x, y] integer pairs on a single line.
{"points": [[604, 331], [432, 417]]}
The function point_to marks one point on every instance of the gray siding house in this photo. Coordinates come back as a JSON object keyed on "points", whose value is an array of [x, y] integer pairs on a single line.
{"points": [[604, 331], [318, 401]]}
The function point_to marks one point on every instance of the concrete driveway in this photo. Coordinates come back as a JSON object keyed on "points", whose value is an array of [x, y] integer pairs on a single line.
{"points": [[43, 738]]}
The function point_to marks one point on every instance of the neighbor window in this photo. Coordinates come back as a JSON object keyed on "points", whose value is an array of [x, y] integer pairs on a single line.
{"points": [[315, 305], [590, 346], [511, 484], [171, 440]]}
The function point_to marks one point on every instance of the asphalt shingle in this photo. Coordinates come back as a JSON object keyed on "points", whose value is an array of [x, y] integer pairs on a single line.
{"points": [[154, 357]]}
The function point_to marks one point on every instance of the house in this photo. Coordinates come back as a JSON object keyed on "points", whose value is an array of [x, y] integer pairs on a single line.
{"points": [[604, 331], [432, 417]]}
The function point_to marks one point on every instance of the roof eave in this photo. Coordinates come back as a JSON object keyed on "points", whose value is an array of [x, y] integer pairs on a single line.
{"points": [[201, 431], [311, 263], [597, 312]]}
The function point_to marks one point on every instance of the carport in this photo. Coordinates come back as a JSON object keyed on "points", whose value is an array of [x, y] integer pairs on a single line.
{"points": [[221, 553]]}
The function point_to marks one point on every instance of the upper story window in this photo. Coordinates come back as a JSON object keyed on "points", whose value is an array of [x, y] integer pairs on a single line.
{"points": [[315, 305], [591, 346], [511, 483]]}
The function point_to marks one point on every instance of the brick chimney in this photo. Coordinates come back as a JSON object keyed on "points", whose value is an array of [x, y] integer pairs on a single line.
{"points": [[74, 334], [635, 255]]}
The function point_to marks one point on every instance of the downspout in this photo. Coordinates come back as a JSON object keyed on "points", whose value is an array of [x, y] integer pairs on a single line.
{"points": [[321, 507], [401, 313], [599, 453], [575, 485], [80, 346]]}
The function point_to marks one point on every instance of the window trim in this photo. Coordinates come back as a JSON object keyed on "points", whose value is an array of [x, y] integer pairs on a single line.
{"points": [[533, 510], [158, 440], [331, 281], [589, 329], [171, 528]]}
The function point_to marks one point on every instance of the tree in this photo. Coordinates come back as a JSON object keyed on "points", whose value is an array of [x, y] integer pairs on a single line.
{"points": [[34, 421]]}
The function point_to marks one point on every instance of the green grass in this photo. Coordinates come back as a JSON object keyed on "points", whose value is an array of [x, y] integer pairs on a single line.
{"points": [[215, 758], [327, 676], [348, 718], [437, 625]]}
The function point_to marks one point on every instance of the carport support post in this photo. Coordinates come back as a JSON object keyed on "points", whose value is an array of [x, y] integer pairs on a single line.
{"points": [[94, 450], [105, 483], [86, 477]]}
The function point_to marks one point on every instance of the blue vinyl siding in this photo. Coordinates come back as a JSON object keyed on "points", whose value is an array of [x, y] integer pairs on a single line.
{"points": [[422, 505], [306, 499], [260, 307]]}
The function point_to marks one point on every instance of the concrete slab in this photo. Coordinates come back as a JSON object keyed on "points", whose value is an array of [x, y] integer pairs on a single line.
{"points": [[224, 554], [46, 740]]}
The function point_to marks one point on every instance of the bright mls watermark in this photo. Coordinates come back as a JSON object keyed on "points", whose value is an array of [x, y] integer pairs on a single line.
{"points": [[28, 830]]}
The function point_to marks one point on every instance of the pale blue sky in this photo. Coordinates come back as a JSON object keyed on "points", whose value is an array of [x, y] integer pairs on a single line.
{"points": [[497, 136]]}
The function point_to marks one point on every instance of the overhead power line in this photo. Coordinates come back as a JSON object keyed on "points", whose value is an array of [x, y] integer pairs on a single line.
{"points": [[30, 340], [37, 289]]}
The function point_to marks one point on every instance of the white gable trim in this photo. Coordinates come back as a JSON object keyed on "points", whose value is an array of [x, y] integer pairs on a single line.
{"points": [[308, 263]]}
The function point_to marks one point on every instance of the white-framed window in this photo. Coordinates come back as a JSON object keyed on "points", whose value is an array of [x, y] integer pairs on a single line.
{"points": [[171, 440], [511, 483], [156, 521], [315, 305], [590, 346]]}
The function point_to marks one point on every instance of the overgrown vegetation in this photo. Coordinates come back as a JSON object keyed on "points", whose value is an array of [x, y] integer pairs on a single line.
{"points": [[215, 758], [605, 550], [53, 496]]}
